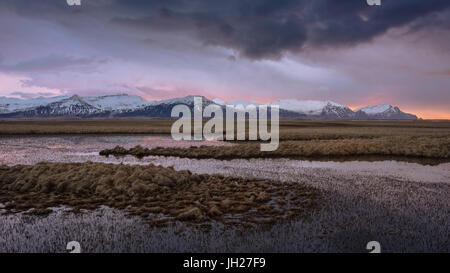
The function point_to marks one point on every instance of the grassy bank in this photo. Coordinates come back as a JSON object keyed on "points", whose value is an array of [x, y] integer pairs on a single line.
{"points": [[52, 127], [289, 129], [422, 147]]}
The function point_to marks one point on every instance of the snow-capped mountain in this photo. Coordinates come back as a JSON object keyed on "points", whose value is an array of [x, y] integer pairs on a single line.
{"points": [[332, 110], [74, 106], [69, 106], [337, 111], [117, 102], [309, 107], [188, 100], [235, 102], [123, 105], [163, 108], [8, 105], [371, 110], [385, 111]]}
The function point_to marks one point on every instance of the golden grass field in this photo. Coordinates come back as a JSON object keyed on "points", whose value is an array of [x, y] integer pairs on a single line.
{"points": [[50, 127], [289, 129], [298, 138]]}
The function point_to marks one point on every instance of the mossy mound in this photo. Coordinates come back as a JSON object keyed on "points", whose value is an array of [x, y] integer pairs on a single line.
{"points": [[161, 195]]}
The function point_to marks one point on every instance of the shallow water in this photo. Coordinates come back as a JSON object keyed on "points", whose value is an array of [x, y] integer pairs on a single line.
{"points": [[31, 150]]}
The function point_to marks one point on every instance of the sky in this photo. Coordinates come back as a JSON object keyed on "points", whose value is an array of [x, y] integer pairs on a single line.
{"points": [[261, 50]]}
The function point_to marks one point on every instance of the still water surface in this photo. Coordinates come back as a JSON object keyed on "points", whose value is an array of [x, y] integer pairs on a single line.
{"points": [[33, 149]]}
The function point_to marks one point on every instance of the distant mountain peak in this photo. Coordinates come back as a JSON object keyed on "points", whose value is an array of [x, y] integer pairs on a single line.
{"points": [[374, 109], [118, 102], [183, 100], [385, 111], [235, 102], [76, 98], [308, 107]]}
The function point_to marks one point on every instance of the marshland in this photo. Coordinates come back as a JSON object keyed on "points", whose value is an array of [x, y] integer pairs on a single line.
{"points": [[330, 187]]}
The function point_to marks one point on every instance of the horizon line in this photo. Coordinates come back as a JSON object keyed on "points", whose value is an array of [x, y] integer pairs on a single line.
{"points": [[437, 116]]}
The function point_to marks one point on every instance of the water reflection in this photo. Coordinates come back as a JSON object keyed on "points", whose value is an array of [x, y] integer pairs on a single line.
{"points": [[34, 149]]}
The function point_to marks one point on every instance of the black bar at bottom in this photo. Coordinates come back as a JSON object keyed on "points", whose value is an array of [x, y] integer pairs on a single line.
{"points": [[219, 262]]}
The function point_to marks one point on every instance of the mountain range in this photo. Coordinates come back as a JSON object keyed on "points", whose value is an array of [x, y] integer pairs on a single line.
{"points": [[130, 106]]}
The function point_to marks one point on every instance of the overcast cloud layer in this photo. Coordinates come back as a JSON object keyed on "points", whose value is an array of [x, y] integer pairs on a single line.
{"points": [[345, 51]]}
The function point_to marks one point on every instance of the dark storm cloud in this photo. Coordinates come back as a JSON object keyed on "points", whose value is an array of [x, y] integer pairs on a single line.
{"points": [[257, 29], [267, 28]]}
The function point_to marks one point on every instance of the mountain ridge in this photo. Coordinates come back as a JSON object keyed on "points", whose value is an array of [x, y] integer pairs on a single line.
{"points": [[124, 105]]}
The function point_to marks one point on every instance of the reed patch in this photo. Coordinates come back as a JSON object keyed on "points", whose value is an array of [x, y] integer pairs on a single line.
{"points": [[402, 146]]}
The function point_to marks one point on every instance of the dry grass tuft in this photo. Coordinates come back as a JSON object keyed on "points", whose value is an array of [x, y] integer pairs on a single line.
{"points": [[161, 195]]}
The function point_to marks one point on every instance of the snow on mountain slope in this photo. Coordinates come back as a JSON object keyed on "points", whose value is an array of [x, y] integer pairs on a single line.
{"points": [[218, 101], [70, 106], [116, 102], [235, 102], [386, 111], [8, 105], [183, 100], [128, 105], [377, 109], [189, 100], [309, 107]]}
